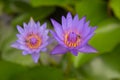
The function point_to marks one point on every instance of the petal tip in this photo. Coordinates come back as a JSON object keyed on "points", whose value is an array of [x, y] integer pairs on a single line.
{"points": [[35, 57], [69, 14], [84, 18], [74, 52], [14, 45], [24, 53]]}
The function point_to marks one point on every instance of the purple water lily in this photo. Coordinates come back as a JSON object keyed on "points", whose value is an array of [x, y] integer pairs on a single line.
{"points": [[72, 35], [32, 39]]}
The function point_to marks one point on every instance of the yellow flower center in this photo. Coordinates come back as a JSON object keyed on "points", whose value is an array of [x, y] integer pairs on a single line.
{"points": [[72, 39], [33, 41]]}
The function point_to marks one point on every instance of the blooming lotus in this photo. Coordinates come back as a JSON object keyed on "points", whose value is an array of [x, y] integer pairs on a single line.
{"points": [[72, 35], [32, 39]]}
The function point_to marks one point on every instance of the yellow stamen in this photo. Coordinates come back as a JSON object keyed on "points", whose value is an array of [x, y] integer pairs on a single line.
{"points": [[71, 44], [36, 44]]}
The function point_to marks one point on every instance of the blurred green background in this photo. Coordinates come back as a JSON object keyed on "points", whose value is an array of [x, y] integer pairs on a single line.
{"points": [[104, 65]]}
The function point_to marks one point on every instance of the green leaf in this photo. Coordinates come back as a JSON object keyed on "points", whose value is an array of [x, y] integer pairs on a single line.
{"points": [[38, 13], [8, 70], [1, 7], [97, 69], [105, 39], [36, 3], [20, 19], [94, 10], [25, 7], [107, 35], [41, 73], [6, 36], [112, 58], [103, 67], [81, 59], [115, 5], [15, 56]]}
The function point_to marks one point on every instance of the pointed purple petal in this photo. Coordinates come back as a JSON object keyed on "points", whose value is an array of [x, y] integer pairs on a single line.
{"points": [[32, 25], [85, 40], [75, 21], [64, 23], [38, 23], [87, 49], [59, 50], [20, 37], [20, 29], [44, 35], [76, 18], [58, 29], [50, 40], [44, 49], [44, 45], [37, 26], [31, 22], [25, 53], [57, 38], [69, 20], [35, 57], [93, 29], [25, 25], [44, 26], [74, 52], [81, 24], [86, 29], [41, 30], [18, 46], [15, 45]]}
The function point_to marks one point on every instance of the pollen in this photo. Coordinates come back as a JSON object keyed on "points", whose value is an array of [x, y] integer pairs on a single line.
{"points": [[33, 41], [72, 39]]}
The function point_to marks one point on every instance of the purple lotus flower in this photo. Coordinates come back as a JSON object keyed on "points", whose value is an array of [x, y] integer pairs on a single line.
{"points": [[72, 35], [32, 39]]}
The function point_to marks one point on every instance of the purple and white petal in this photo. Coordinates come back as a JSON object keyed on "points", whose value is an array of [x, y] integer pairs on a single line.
{"points": [[59, 50], [25, 52], [85, 40], [64, 23], [75, 23], [74, 52], [81, 24], [87, 49], [15, 45], [38, 23], [44, 49], [69, 20], [58, 29], [43, 26], [21, 31], [57, 38], [86, 29], [20, 37], [25, 26], [35, 57]]}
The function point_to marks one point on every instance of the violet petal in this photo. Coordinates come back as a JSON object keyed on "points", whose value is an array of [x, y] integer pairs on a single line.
{"points": [[74, 52], [87, 49], [59, 50], [35, 57], [58, 29]]}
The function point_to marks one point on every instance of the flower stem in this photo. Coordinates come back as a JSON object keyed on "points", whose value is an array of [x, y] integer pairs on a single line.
{"points": [[69, 64]]}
